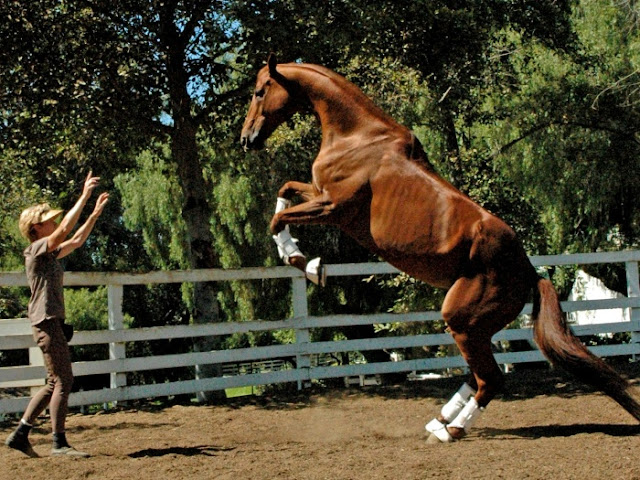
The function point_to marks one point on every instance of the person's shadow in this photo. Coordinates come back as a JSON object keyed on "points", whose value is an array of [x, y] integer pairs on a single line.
{"points": [[207, 450]]}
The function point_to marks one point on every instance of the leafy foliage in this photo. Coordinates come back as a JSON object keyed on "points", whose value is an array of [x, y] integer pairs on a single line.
{"points": [[529, 107], [151, 199]]}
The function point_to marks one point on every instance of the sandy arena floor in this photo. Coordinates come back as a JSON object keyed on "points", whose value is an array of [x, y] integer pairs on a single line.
{"points": [[545, 427]]}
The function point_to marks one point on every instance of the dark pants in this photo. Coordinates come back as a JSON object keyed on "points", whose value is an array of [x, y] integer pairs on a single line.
{"points": [[57, 360]]}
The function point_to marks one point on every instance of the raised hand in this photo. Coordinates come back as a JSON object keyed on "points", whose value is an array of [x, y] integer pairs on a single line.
{"points": [[90, 184], [100, 203]]}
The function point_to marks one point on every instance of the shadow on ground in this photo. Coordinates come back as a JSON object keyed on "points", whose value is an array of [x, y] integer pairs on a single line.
{"points": [[207, 450], [554, 431]]}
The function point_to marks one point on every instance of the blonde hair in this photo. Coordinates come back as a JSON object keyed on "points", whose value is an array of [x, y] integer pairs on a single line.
{"points": [[34, 215]]}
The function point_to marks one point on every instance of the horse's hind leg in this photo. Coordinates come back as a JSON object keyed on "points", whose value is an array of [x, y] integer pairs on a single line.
{"points": [[460, 413], [453, 407], [474, 309]]}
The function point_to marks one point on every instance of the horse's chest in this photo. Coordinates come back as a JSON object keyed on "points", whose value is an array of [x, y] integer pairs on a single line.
{"points": [[341, 179]]}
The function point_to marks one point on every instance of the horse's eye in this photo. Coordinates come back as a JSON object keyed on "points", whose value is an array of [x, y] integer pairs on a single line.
{"points": [[260, 93]]}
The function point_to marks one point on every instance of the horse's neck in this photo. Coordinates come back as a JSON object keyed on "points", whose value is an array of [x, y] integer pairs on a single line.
{"points": [[341, 107], [347, 115]]}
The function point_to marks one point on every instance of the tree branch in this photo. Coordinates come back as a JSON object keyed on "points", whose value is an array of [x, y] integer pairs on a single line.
{"points": [[197, 14], [221, 98], [528, 133], [590, 126]]}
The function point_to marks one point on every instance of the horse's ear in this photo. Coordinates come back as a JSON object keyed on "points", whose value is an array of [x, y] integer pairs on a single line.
{"points": [[272, 61]]}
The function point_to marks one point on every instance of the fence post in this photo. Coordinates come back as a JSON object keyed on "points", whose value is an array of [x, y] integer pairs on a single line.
{"points": [[633, 290], [117, 350], [301, 310]]}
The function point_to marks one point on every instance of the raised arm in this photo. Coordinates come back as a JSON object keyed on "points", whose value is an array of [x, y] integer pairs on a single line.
{"points": [[70, 220], [80, 236]]}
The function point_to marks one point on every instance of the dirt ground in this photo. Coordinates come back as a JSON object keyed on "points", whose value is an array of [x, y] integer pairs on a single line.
{"points": [[544, 427]]}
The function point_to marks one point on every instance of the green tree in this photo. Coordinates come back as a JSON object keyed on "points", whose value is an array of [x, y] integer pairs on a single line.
{"points": [[87, 84], [571, 138], [529, 107]]}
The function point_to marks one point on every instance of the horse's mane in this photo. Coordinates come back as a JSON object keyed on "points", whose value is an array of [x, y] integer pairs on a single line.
{"points": [[415, 151], [346, 85]]}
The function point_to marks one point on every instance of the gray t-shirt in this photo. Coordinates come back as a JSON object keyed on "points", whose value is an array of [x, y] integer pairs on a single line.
{"points": [[44, 273]]}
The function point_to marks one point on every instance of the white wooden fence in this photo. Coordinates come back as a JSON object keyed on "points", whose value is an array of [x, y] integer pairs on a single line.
{"points": [[16, 335]]}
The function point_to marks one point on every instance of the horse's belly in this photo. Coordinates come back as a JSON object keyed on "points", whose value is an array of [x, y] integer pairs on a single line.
{"points": [[431, 249], [418, 259], [423, 228], [438, 271]]}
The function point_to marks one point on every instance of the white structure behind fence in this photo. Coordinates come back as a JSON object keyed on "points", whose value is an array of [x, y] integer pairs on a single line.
{"points": [[237, 362]]}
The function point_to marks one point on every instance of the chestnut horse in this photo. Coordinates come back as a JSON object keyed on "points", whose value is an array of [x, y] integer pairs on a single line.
{"points": [[371, 179]]}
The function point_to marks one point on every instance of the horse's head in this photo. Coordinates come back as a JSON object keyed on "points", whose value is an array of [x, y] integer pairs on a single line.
{"points": [[271, 105]]}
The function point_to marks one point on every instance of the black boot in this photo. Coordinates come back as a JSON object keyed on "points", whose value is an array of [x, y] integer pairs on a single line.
{"points": [[62, 447], [19, 440]]}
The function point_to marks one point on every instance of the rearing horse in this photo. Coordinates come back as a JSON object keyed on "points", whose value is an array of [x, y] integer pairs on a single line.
{"points": [[371, 178]]}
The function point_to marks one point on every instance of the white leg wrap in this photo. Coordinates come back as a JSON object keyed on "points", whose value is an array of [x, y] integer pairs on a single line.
{"points": [[442, 434], [434, 425], [467, 417], [316, 272], [282, 203], [287, 246], [452, 408]]}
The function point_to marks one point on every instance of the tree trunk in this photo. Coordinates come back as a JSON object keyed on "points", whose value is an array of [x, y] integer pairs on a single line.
{"points": [[196, 213], [196, 210], [453, 150]]}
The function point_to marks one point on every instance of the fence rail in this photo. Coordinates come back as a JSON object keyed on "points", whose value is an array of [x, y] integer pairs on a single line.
{"points": [[267, 364]]}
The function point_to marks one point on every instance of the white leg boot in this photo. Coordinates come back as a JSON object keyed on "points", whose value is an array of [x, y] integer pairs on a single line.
{"points": [[281, 204], [288, 247], [316, 272], [452, 408], [464, 420]]}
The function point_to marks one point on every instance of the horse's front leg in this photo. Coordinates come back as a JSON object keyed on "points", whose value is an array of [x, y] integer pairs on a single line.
{"points": [[292, 188], [311, 211]]}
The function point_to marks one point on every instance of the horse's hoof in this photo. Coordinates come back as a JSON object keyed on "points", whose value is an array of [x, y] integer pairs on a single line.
{"points": [[433, 440], [434, 425], [440, 435], [316, 272]]}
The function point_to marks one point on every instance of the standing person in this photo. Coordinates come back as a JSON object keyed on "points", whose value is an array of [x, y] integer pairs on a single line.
{"points": [[48, 244]]}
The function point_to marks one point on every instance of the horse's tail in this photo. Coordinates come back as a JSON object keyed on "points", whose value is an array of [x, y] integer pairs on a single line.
{"points": [[565, 350]]}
